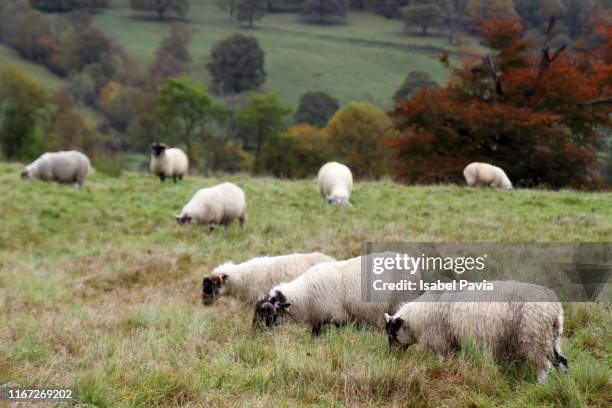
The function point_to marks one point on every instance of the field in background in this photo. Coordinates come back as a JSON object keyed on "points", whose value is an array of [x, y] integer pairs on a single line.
{"points": [[100, 289], [365, 59], [38, 73]]}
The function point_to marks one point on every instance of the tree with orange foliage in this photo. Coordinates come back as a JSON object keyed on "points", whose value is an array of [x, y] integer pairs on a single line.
{"points": [[537, 117]]}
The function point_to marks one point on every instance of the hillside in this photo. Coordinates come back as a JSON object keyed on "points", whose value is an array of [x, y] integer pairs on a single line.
{"points": [[365, 59], [100, 289], [9, 57]]}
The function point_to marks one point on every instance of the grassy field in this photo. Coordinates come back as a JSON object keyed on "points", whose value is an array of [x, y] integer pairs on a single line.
{"points": [[100, 290], [365, 59]]}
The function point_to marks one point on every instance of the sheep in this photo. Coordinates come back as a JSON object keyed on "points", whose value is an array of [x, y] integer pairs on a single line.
{"points": [[62, 167], [328, 293], [248, 280], [168, 162], [221, 204], [335, 182], [515, 321], [484, 174]]}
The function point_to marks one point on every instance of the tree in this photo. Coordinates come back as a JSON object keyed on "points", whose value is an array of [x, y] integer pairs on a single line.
{"points": [[316, 108], [24, 110], [296, 153], [162, 7], [356, 133], [263, 116], [69, 129], [423, 14], [414, 82], [228, 6], [480, 11], [389, 8], [237, 64], [172, 56], [325, 11], [538, 118], [250, 10], [183, 110], [68, 5]]}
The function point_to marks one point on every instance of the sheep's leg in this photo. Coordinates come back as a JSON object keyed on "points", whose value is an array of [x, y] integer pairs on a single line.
{"points": [[180, 177], [212, 228], [242, 220], [316, 329], [543, 371], [162, 178]]}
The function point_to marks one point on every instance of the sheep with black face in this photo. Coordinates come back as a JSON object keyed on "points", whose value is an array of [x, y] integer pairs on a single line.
{"points": [[515, 321], [168, 162], [248, 280], [328, 293]]}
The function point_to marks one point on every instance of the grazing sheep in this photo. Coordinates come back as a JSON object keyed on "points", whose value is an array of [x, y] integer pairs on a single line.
{"points": [[335, 182], [221, 204], [516, 322], [249, 279], [168, 162], [62, 167], [328, 293], [486, 175]]}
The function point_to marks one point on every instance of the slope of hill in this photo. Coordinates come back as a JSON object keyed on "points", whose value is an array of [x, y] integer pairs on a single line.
{"points": [[100, 290], [9, 57], [365, 59]]}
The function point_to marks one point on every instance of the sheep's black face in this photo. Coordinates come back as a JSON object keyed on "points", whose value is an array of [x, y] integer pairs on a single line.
{"points": [[183, 219], [25, 174], [210, 290], [268, 313], [158, 148], [393, 327]]}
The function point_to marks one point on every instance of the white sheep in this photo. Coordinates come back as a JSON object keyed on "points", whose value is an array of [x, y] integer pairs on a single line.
{"points": [[62, 167], [335, 183], [515, 321], [249, 279], [218, 205], [168, 162], [328, 293], [486, 175]]}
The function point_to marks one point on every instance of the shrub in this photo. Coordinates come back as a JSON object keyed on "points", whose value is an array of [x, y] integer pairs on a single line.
{"points": [[108, 163], [357, 133]]}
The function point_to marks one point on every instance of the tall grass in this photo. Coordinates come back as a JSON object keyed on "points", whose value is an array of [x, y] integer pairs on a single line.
{"points": [[100, 290]]}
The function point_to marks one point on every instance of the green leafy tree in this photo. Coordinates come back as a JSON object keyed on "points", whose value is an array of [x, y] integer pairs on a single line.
{"points": [[297, 153], [324, 11], [162, 7], [250, 10], [183, 110], [356, 133], [263, 116], [423, 14], [24, 112], [415, 81], [172, 56], [237, 64], [316, 108]]}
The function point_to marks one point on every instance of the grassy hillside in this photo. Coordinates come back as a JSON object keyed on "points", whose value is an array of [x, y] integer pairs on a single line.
{"points": [[100, 290], [9, 57], [365, 59]]}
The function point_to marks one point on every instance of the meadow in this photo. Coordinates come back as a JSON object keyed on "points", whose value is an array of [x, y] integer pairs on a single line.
{"points": [[100, 290]]}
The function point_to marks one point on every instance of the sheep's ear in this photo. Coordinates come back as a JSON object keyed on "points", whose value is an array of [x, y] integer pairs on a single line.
{"points": [[388, 318], [224, 277], [261, 297], [284, 306], [163, 145]]}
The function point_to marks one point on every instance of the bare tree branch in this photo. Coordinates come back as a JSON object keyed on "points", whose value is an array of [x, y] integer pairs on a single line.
{"points": [[595, 102]]}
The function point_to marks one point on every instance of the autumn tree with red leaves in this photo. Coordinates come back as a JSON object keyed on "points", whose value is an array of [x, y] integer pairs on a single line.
{"points": [[536, 116]]}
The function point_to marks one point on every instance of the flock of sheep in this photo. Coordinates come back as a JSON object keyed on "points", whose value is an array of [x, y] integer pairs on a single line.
{"points": [[316, 289]]}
